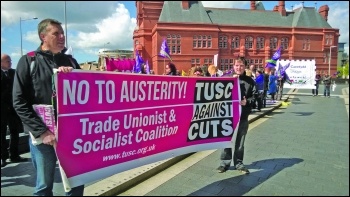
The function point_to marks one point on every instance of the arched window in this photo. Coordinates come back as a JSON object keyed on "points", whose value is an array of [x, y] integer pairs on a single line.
{"points": [[201, 41], [209, 41], [306, 44], [273, 43], [174, 43], [329, 39], [285, 43], [260, 43], [248, 42], [222, 42], [235, 42]]}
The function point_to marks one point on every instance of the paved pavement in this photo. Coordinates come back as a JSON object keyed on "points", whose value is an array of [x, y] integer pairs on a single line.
{"points": [[298, 150], [18, 179]]}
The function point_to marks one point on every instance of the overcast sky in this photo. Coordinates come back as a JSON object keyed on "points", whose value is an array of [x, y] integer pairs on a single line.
{"points": [[93, 24]]}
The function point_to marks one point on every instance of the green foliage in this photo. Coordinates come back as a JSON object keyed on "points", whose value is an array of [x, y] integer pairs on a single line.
{"points": [[343, 71]]}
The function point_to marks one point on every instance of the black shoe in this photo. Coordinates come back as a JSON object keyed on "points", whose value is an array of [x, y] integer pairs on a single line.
{"points": [[17, 159], [222, 169], [243, 170], [3, 163]]}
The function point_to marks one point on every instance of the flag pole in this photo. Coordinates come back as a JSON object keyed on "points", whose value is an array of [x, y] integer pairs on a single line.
{"points": [[164, 65]]}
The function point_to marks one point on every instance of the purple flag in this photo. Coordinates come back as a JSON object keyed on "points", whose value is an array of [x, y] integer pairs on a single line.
{"points": [[139, 62], [272, 62], [147, 67], [277, 54], [270, 65], [227, 73], [164, 50]]}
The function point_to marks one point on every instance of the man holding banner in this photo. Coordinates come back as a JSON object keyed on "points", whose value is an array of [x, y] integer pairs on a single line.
{"points": [[33, 85], [247, 87]]}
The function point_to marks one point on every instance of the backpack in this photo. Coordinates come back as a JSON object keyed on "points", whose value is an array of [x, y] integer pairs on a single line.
{"points": [[32, 61]]}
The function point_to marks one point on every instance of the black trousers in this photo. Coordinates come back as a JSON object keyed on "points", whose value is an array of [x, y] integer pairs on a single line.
{"points": [[226, 153], [15, 125], [315, 91]]}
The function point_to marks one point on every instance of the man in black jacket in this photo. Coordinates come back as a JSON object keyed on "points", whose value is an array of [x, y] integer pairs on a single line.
{"points": [[9, 117], [33, 85], [248, 89]]}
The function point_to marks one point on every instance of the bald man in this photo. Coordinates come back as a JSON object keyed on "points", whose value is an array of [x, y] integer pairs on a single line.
{"points": [[9, 116]]}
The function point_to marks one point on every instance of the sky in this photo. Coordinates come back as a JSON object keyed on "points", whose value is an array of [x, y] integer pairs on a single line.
{"points": [[95, 25]]}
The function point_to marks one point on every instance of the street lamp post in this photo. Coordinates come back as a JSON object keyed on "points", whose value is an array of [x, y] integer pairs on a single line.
{"points": [[65, 23], [104, 46], [329, 60], [20, 29], [104, 53]]}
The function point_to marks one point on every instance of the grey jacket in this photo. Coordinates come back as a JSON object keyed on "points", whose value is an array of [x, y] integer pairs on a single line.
{"points": [[327, 80]]}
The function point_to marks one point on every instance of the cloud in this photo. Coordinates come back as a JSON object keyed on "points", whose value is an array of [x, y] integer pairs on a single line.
{"points": [[32, 36], [338, 17], [116, 29]]}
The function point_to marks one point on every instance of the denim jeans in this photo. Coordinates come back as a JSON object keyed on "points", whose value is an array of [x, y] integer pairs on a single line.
{"points": [[44, 160], [327, 90], [226, 153]]}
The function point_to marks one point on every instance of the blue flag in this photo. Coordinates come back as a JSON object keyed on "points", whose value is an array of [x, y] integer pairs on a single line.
{"points": [[138, 64], [164, 50]]}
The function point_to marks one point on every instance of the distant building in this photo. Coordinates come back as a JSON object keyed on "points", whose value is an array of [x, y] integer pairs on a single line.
{"points": [[102, 54], [342, 56], [195, 34], [89, 65]]}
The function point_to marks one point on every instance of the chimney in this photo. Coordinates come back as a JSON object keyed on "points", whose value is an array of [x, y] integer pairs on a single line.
{"points": [[275, 8], [252, 5], [281, 8], [324, 11], [185, 5]]}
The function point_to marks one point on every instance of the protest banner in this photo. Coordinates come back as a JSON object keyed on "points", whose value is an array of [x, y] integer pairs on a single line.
{"points": [[109, 122], [301, 73]]}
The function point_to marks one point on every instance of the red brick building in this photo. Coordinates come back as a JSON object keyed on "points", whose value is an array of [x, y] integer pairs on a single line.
{"points": [[195, 34]]}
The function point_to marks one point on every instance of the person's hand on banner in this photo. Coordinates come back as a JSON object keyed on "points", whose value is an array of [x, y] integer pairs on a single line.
{"points": [[244, 101], [48, 138]]}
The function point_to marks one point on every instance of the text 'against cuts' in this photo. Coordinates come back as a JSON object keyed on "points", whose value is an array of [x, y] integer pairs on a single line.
{"points": [[80, 92]]}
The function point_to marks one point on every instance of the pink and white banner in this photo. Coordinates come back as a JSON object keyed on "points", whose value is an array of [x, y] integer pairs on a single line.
{"points": [[109, 122], [120, 65], [46, 113]]}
